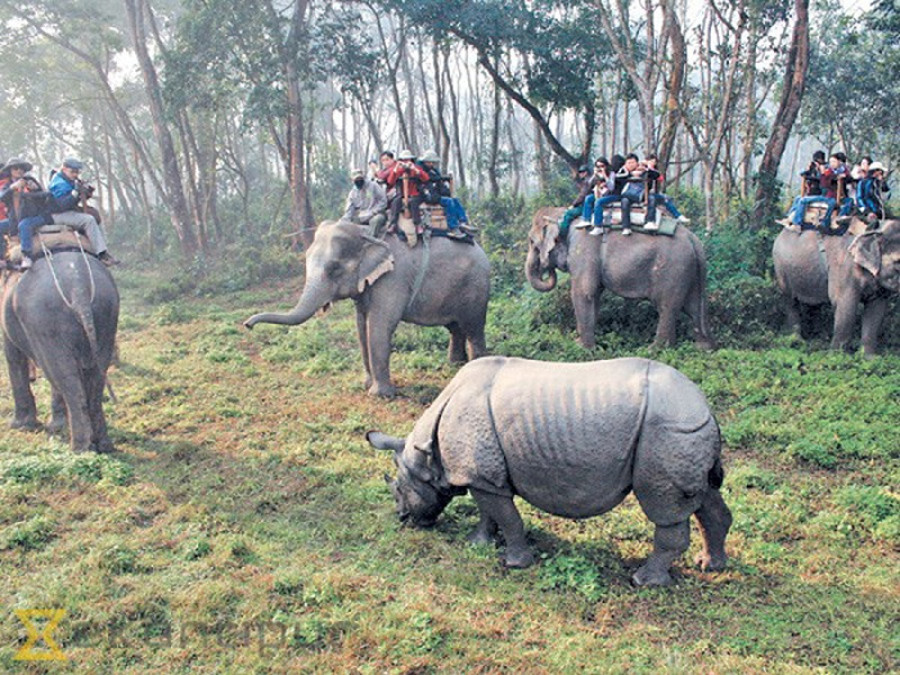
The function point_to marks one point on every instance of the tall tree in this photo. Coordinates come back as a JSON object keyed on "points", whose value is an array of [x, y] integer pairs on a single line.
{"points": [[793, 86]]}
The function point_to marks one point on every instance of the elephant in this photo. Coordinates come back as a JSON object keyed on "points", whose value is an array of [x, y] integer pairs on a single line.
{"points": [[669, 271], [63, 314], [811, 269], [437, 283], [572, 439]]}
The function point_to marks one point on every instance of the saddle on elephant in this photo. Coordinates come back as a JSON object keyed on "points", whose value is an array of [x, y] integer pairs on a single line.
{"points": [[51, 238], [838, 225]]}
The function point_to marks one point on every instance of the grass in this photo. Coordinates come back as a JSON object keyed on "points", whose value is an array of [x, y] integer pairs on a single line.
{"points": [[244, 525]]}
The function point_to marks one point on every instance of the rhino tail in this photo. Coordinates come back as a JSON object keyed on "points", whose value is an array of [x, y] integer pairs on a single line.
{"points": [[716, 475]]}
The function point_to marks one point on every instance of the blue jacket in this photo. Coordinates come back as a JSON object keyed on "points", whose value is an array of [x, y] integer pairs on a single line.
{"points": [[62, 188], [869, 195]]}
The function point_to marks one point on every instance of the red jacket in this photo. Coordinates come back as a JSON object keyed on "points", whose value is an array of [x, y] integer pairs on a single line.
{"points": [[830, 178], [414, 171]]}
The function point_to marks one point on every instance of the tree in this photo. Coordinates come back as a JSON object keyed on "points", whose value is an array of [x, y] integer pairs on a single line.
{"points": [[793, 86]]}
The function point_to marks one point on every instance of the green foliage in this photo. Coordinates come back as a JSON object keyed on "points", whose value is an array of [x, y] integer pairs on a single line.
{"points": [[31, 535], [118, 559], [573, 572]]}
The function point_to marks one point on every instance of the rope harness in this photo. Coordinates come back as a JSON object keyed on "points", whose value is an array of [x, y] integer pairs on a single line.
{"points": [[48, 254], [423, 268]]}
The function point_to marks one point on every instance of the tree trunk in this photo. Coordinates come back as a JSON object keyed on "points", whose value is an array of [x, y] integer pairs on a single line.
{"points": [[177, 204], [791, 98]]}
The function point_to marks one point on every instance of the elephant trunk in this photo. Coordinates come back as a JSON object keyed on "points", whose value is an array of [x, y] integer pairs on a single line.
{"points": [[314, 297], [536, 275]]}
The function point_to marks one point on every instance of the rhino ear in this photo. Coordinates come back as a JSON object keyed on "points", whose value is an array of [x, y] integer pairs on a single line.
{"points": [[866, 252]]}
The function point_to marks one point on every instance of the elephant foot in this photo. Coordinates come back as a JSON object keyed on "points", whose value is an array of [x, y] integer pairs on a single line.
{"points": [[651, 576], [25, 424], [103, 447], [706, 344], [710, 563], [518, 558], [56, 427], [479, 537], [383, 390]]}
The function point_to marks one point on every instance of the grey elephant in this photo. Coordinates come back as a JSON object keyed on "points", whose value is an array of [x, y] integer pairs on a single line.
{"points": [[445, 283], [842, 270], [63, 314], [668, 271], [572, 439]]}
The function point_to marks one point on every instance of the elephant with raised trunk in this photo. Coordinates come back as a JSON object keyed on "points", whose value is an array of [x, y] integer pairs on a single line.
{"points": [[62, 314], [668, 271], [842, 270], [437, 283], [572, 439]]}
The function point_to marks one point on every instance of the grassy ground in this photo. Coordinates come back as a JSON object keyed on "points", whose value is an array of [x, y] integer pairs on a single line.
{"points": [[244, 525]]}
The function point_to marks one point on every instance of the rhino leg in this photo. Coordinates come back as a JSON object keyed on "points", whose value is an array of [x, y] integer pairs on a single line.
{"points": [[486, 532], [504, 513], [714, 520], [669, 542]]}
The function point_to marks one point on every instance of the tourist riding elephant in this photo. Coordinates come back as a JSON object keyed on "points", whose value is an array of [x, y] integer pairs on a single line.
{"points": [[668, 271], [62, 313], [844, 270], [444, 283]]}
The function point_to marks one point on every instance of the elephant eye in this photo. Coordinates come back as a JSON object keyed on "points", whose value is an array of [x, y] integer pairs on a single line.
{"points": [[333, 268]]}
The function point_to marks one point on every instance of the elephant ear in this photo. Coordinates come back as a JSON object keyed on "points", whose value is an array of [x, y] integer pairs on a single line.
{"points": [[548, 242], [376, 261], [866, 252]]}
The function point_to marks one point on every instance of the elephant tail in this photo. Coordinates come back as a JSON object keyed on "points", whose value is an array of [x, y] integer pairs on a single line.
{"points": [[82, 309]]}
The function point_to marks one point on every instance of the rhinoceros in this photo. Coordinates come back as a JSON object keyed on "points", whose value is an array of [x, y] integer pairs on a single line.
{"points": [[572, 439]]}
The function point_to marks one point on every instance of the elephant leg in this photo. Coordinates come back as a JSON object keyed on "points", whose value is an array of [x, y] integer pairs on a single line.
{"points": [[714, 520], [380, 330], [503, 512], [457, 350], [696, 309], [473, 329], [585, 294], [669, 542], [666, 325], [873, 316], [94, 383], [792, 324], [65, 376], [362, 334], [485, 532], [58, 420], [25, 416], [844, 321]]}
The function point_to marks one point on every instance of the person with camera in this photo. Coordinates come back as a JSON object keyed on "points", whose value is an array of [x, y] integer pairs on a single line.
{"points": [[591, 189], [27, 205], [69, 191], [834, 181], [810, 191], [406, 177]]}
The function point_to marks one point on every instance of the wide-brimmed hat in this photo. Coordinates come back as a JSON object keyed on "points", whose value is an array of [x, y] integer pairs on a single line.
{"points": [[431, 156], [357, 173], [876, 166], [72, 163], [405, 154], [14, 162]]}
